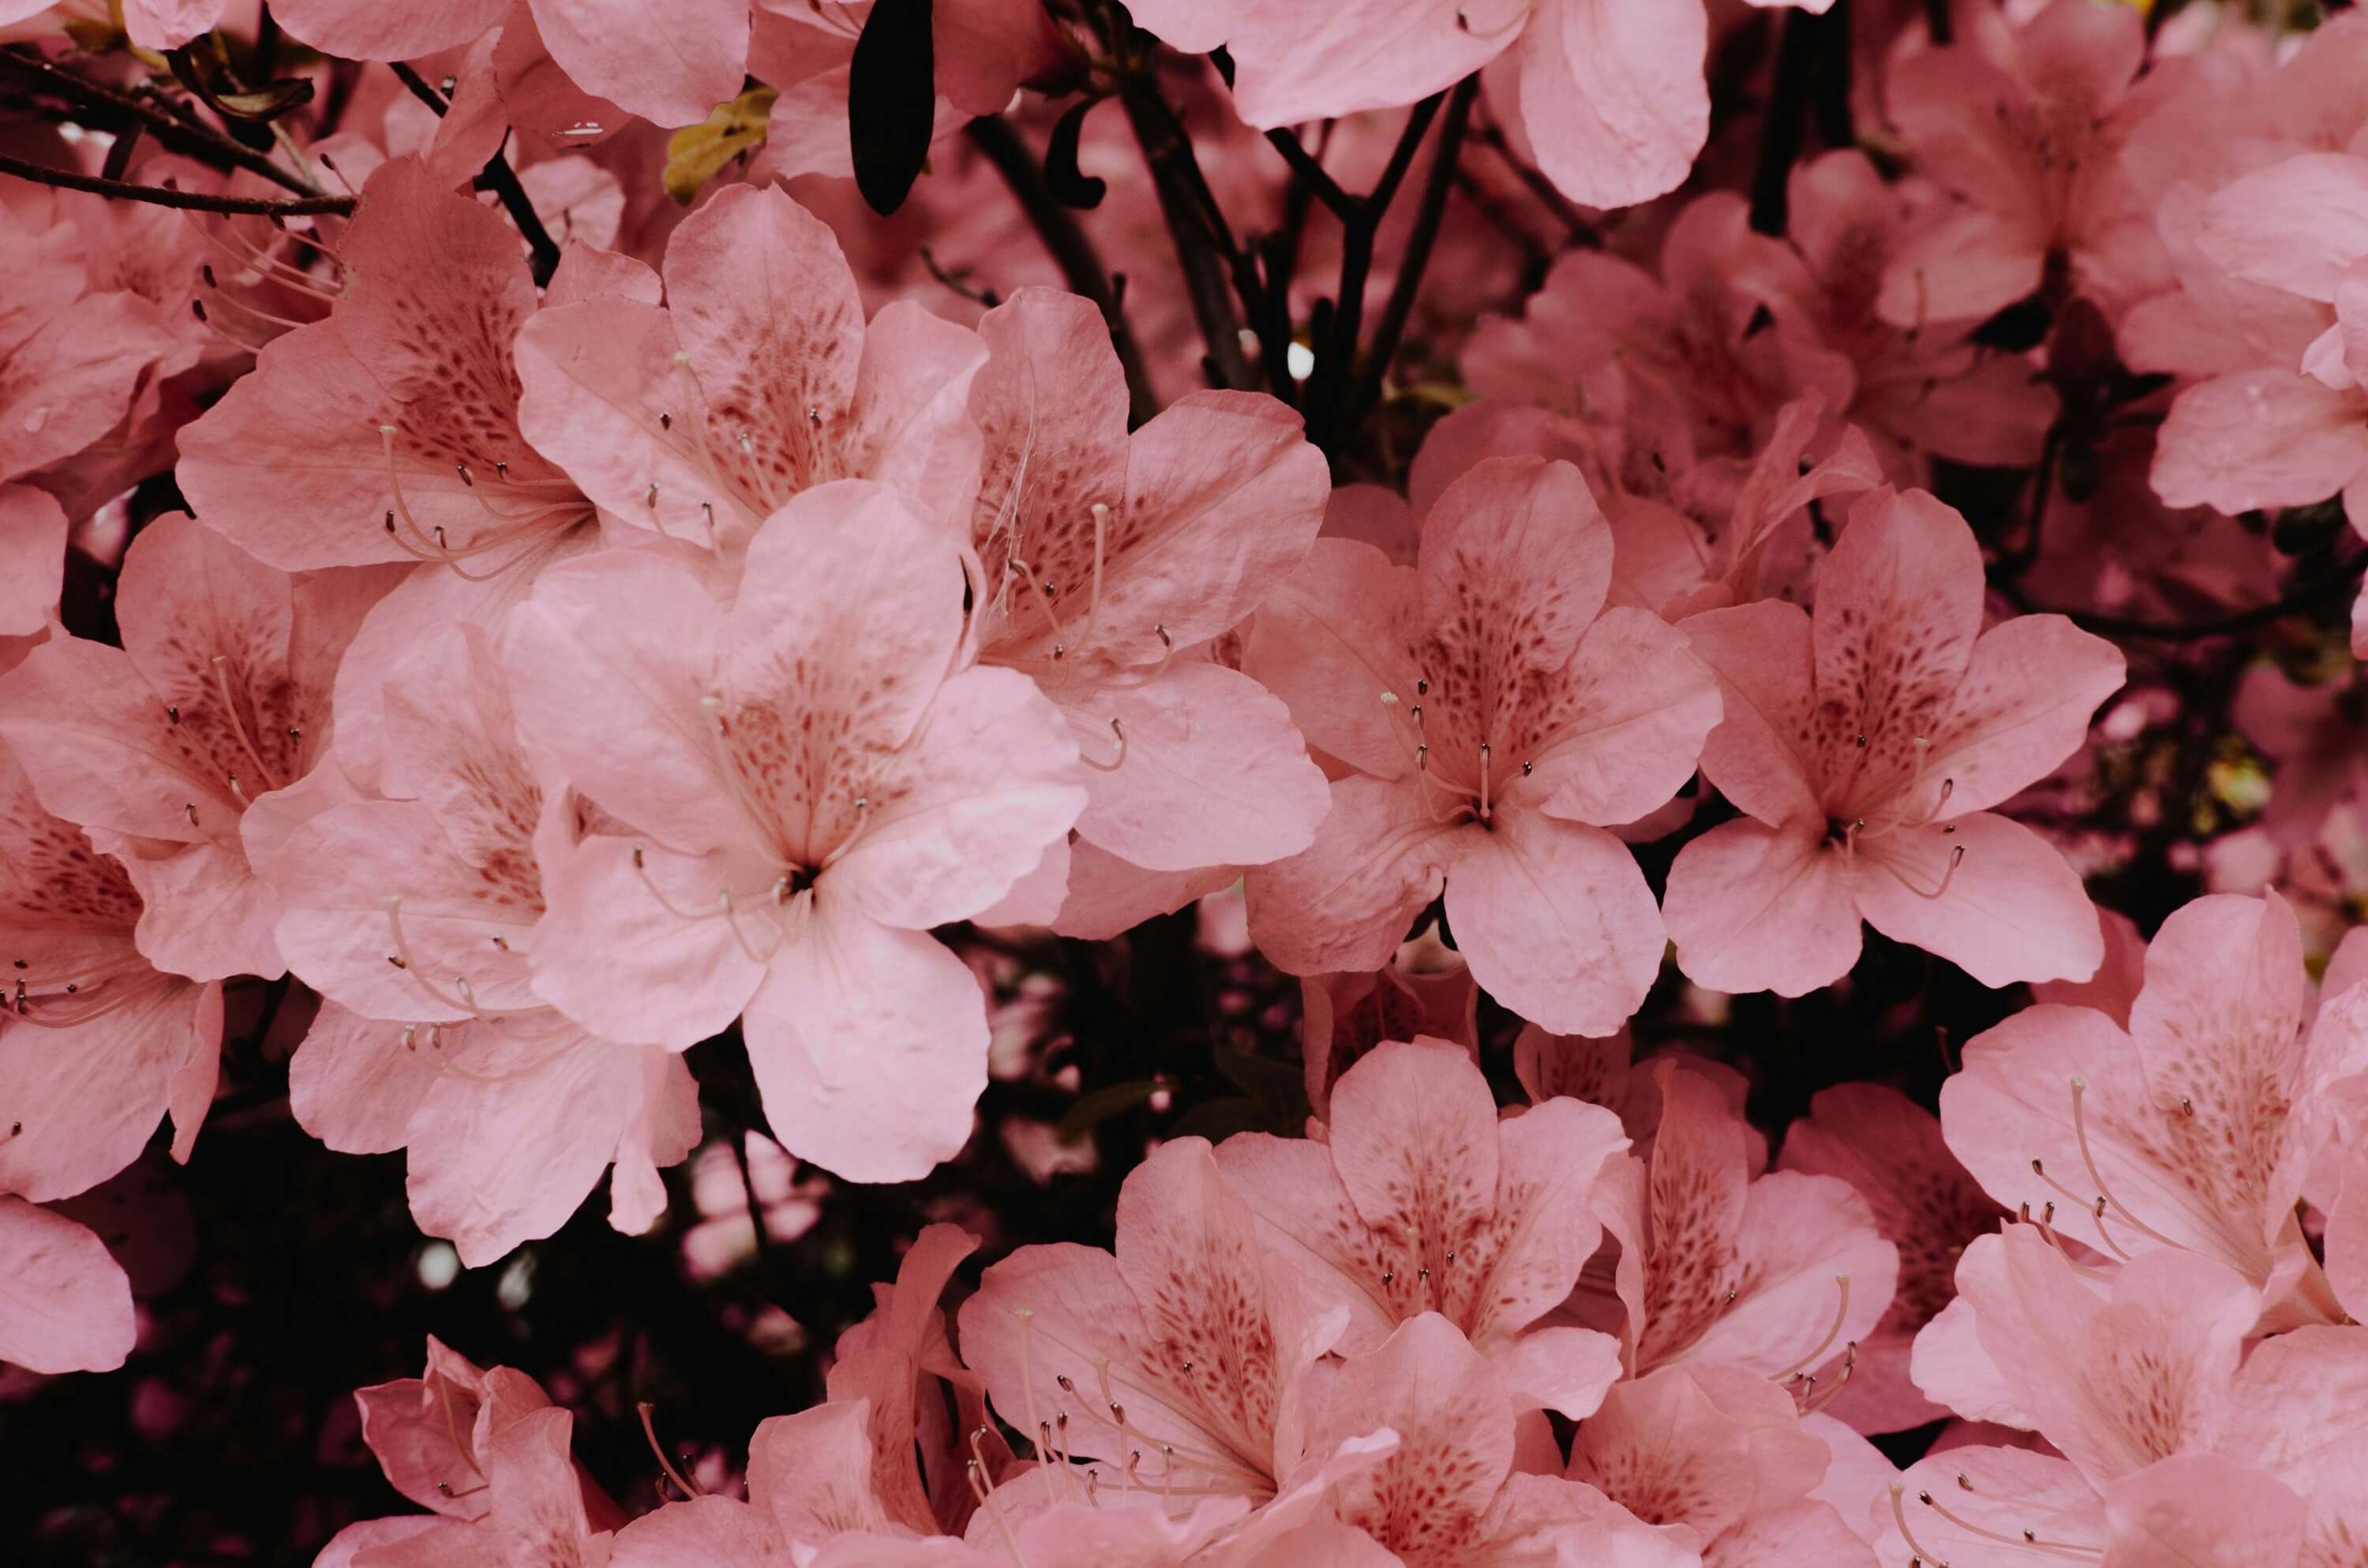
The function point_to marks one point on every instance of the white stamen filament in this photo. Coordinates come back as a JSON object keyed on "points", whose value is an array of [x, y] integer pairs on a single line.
{"points": [[238, 725]]}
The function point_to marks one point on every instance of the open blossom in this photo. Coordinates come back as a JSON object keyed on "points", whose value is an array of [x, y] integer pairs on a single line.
{"points": [[1422, 1201], [65, 1305], [1497, 717], [756, 379], [413, 914], [809, 787], [2194, 1128], [196, 739], [1865, 748], [1107, 556]]}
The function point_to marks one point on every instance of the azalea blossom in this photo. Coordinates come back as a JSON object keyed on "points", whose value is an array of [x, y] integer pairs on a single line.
{"points": [[1497, 717], [1866, 746]]}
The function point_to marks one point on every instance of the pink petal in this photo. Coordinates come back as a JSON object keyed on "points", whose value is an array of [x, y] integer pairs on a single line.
{"points": [[1296, 67], [813, 1474], [2011, 909], [65, 1305], [1343, 902], [1514, 543], [2200, 1511], [640, 632], [669, 71], [1699, 1447], [1755, 908], [868, 1045], [1762, 754], [1108, 896], [1799, 1238], [2115, 984], [700, 1531], [2023, 707], [34, 531], [2295, 1409], [70, 381], [2005, 1492], [1333, 639], [610, 954], [388, 32], [2259, 438], [84, 1104], [1640, 705], [2296, 225], [1613, 97], [1211, 770], [1555, 920], [354, 1082]]}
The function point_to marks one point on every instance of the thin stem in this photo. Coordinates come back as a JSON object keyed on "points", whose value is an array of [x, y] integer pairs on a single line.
{"points": [[190, 136], [1327, 387], [1785, 126], [168, 196], [1575, 227], [497, 177], [1205, 243], [1391, 329], [1065, 241], [1305, 164]]}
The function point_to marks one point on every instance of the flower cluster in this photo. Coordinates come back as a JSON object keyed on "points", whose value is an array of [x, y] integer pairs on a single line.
{"points": [[538, 633]]}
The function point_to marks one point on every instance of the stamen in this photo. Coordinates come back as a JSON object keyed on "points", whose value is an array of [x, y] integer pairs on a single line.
{"points": [[238, 725], [1484, 780], [2104, 1193], [2028, 1540], [1113, 765], [1043, 597], [401, 958], [649, 1432], [985, 1495], [1841, 1312], [1899, 1516]]}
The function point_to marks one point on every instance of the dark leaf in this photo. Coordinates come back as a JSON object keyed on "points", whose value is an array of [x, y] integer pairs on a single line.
{"points": [[1280, 1087], [892, 101], [1072, 185], [1094, 1108]]}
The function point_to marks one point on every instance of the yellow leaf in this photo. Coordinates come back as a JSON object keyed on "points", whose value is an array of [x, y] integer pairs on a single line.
{"points": [[697, 154]]}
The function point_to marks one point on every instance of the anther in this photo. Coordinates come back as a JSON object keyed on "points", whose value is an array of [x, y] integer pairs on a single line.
{"points": [[466, 477], [173, 711], [651, 500], [666, 421]]}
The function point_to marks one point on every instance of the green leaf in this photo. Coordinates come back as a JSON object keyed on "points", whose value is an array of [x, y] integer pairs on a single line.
{"points": [[697, 154]]}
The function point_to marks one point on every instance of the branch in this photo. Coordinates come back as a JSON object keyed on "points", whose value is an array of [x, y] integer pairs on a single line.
{"points": [[2344, 577], [169, 196], [1417, 258], [190, 136], [1205, 243], [1307, 165], [497, 177], [1067, 242], [1785, 125]]}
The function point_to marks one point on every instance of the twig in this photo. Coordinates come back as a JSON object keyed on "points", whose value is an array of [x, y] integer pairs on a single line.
{"points": [[190, 136], [1205, 243], [1785, 125], [168, 196], [1327, 387], [497, 177], [1311, 171], [1065, 241], [1388, 332], [1575, 224], [2013, 563]]}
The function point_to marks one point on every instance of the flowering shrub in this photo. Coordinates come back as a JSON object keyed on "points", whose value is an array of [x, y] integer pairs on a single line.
{"points": [[1572, 783]]}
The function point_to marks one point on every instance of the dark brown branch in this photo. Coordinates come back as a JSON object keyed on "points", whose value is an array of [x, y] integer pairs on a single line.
{"points": [[497, 177], [168, 196], [1313, 174], [1067, 242], [1575, 224], [182, 135], [1391, 329], [1205, 243]]}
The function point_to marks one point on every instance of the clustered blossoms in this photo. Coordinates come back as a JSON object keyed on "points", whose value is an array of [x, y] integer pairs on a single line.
{"points": [[520, 569]]}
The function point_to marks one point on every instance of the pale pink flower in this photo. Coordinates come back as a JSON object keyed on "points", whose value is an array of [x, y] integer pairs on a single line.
{"points": [[1865, 748], [2194, 1128], [1343, 1017], [1778, 1274], [1106, 555], [1422, 1200], [1497, 718], [1183, 1347], [389, 432], [488, 1453], [2025, 126], [1450, 1495], [65, 1305], [757, 380], [1717, 1457], [818, 788]]}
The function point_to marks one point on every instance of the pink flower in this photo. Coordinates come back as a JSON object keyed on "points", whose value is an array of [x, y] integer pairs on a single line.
{"points": [[757, 380], [2025, 126], [1183, 1347], [1449, 1495], [1422, 1201], [1865, 748], [1716, 1457], [390, 431], [1343, 1017], [65, 1305], [1496, 716], [1890, 1150], [2194, 1127], [489, 1454], [1106, 554], [195, 738], [1778, 1274], [819, 788], [1610, 95]]}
